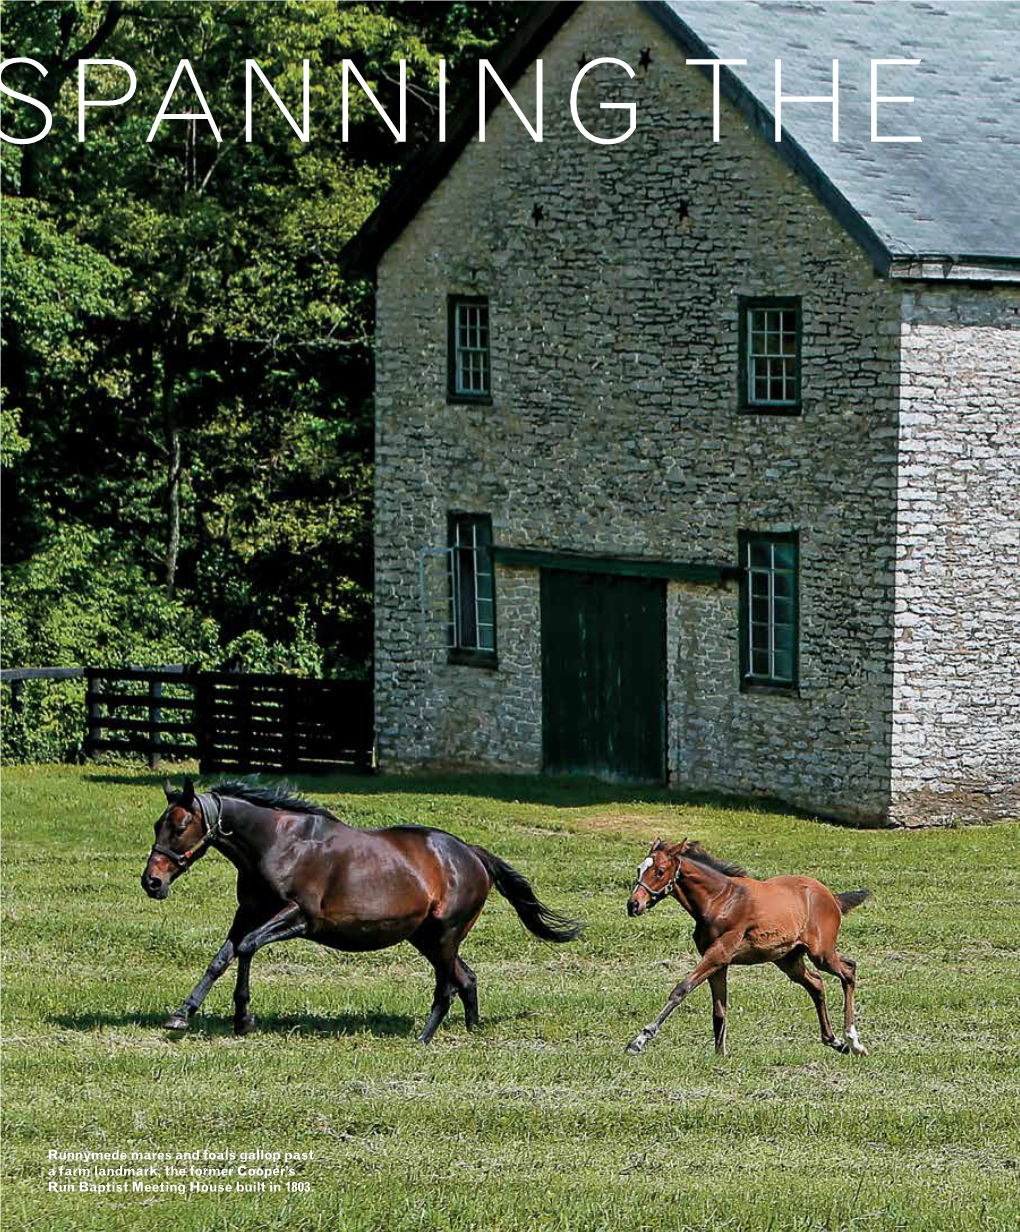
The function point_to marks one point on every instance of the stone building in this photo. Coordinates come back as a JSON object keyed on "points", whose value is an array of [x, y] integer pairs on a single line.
{"points": [[699, 461]]}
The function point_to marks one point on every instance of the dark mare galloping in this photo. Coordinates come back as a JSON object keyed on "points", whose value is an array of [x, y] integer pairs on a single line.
{"points": [[301, 872], [741, 920]]}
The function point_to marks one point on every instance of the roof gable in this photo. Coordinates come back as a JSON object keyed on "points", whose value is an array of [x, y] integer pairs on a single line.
{"points": [[940, 208]]}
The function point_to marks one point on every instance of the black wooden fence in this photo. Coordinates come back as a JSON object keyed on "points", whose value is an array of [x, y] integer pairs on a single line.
{"points": [[270, 722], [229, 721], [142, 710]]}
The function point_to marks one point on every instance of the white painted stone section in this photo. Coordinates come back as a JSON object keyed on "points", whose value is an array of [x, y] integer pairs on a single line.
{"points": [[956, 681]]}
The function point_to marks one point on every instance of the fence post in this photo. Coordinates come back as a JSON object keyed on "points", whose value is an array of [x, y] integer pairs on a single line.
{"points": [[202, 717], [93, 687], [17, 701], [155, 718]]}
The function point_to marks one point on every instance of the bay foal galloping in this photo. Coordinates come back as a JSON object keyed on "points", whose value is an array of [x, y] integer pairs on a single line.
{"points": [[739, 920], [301, 872]]}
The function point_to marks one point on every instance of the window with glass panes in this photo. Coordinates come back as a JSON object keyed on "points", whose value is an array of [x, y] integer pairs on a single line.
{"points": [[472, 624], [469, 348], [770, 354], [769, 649]]}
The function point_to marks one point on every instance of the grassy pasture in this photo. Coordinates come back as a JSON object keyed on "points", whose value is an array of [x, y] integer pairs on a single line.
{"points": [[538, 1121]]}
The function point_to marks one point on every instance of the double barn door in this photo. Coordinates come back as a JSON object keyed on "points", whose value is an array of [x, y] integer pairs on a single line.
{"points": [[604, 675]]}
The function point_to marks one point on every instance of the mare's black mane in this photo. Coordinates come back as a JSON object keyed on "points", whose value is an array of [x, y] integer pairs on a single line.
{"points": [[281, 797]]}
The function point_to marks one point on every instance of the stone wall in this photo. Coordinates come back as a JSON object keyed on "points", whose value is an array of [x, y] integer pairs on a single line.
{"points": [[956, 711], [614, 426]]}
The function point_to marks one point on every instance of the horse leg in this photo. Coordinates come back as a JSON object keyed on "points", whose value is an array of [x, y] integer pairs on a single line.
{"points": [[446, 990], [439, 940], [467, 983], [717, 956], [793, 966], [243, 1021], [717, 983], [281, 927], [467, 986], [845, 969], [179, 1019], [440, 948]]}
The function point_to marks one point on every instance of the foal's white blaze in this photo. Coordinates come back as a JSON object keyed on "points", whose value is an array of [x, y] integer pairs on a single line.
{"points": [[644, 866]]}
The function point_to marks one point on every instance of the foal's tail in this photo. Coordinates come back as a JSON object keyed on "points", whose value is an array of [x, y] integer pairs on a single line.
{"points": [[851, 899], [515, 887]]}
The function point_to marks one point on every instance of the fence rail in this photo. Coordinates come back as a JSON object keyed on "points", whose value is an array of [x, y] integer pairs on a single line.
{"points": [[229, 721], [15, 675], [142, 728]]}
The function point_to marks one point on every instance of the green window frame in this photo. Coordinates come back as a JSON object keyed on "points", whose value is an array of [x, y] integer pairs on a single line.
{"points": [[769, 610], [471, 628], [770, 342], [469, 349]]}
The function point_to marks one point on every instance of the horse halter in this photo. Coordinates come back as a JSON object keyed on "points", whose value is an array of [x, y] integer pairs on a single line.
{"points": [[211, 808], [657, 896]]}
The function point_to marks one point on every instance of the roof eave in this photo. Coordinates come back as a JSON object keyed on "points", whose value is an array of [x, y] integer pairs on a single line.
{"points": [[943, 267]]}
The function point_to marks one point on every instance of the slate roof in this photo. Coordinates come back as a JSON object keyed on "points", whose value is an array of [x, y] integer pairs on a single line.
{"points": [[945, 207], [955, 193]]}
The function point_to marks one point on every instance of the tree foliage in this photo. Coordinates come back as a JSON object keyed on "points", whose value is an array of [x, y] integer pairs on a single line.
{"points": [[187, 404]]}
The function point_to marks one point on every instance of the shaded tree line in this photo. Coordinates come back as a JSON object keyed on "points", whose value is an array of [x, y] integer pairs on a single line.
{"points": [[187, 414]]}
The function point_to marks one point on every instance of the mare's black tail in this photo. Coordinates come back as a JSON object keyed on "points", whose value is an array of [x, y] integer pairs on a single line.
{"points": [[851, 899], [516, 889]]}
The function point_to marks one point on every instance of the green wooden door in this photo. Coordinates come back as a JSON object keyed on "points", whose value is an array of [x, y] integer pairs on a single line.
{"points": [[604, 675]]}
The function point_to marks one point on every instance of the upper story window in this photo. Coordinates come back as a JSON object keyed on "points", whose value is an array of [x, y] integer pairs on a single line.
{"points": [[770, 354], [472, 625], [470, 371], [769, 650]]}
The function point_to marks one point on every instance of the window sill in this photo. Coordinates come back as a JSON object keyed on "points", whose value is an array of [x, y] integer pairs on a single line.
{"points": [[473, 658], [751, 408], [765, 689], [469, 399]]}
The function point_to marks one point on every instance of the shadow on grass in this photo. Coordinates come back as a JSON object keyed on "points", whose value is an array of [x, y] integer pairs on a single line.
{"points": [[548, 791], [316, 1025]]}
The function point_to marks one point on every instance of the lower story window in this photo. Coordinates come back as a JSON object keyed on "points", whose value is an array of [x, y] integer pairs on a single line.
{"points": [[769, 649], [472, 625]]}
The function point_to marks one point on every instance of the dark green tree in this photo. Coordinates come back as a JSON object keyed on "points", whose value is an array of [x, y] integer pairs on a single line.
{"points": [[187, 370]]}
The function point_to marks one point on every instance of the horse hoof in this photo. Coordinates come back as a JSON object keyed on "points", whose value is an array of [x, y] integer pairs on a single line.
{"points": [[243, 1026], [636, 1045], [176, 1022], [854, 1042]]}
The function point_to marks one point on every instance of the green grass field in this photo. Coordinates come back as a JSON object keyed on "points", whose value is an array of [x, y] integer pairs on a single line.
{"points": [[538, 1121]]}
